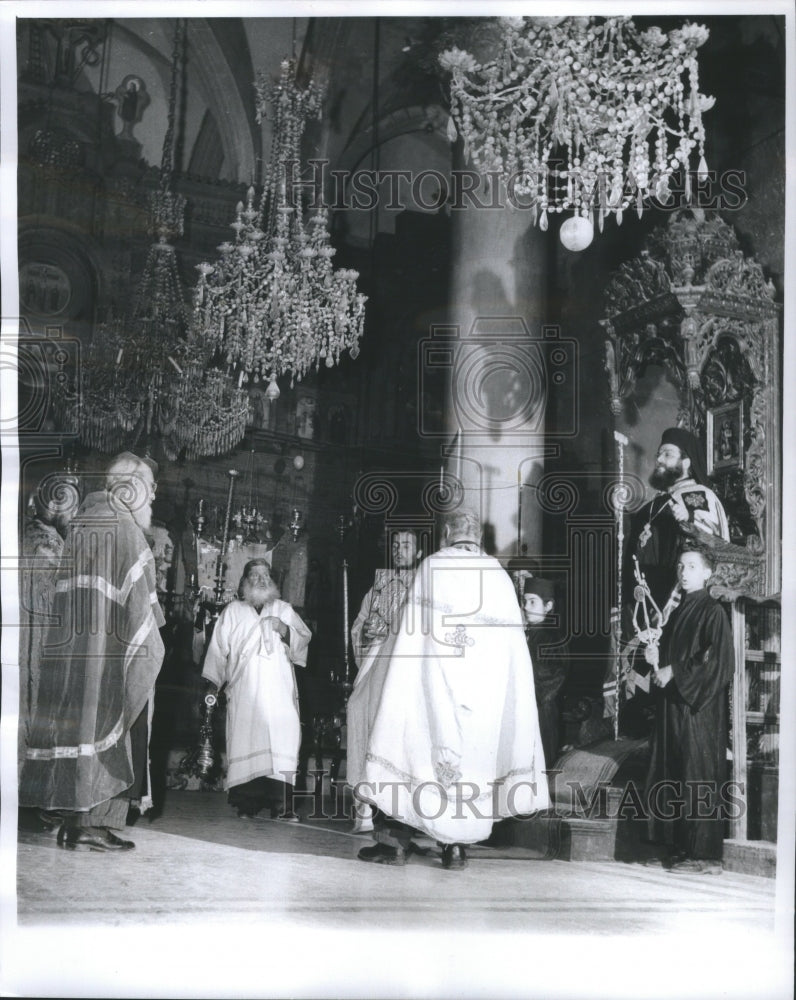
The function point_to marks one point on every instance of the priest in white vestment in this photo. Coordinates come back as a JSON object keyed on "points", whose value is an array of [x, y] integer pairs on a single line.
{"points": [[256, 643], [447, 712], [379, 615]]}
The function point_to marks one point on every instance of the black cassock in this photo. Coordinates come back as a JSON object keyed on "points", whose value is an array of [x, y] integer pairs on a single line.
{"points": [[689, 746], [550, 659], [657, 549]]}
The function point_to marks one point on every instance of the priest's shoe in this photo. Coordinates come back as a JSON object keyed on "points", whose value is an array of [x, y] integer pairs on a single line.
{"points": [[453, 856], [665, 860], [85, 838], [287, 816], [696, 866], [116, 843], [381, 854]]}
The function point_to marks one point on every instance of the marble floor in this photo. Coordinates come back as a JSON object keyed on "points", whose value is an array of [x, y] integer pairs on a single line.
{"points": [[211, 905]]}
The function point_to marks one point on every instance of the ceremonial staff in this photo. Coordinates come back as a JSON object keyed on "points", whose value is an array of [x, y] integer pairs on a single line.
{"points": [[346, 664], [220, 565], [619, 496]]}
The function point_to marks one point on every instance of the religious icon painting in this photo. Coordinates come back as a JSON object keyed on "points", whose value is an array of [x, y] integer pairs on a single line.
{"points": [[725, 437], [306, 414]]}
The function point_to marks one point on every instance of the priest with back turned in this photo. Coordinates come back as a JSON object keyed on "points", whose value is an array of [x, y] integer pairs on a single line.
{"points": [[452, 744], [87, 752]]}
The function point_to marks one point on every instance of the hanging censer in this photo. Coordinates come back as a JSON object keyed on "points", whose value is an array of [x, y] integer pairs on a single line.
{"points": [[205, 754], [201, 761]]}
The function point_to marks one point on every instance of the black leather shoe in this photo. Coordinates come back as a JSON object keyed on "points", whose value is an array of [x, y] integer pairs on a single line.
{"points": [[453, 857], [664, 860], [38, 821], [86, 838], [381, 854], [117, 843], [696, 866], [50, 819], [286, 815], [89, 838]]}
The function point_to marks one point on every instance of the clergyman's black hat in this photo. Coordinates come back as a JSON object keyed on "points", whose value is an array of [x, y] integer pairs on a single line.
{"points": [[691, 448]]}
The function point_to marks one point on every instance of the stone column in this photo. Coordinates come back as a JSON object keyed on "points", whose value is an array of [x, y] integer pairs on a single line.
{"points": [[498, 386]]}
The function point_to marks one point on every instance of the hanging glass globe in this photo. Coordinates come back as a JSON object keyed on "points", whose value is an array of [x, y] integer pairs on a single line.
{"points": [[576, 233]]}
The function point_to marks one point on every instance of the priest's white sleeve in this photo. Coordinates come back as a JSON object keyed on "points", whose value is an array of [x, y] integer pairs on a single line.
{"points": [[300, 635], [356, 628]]}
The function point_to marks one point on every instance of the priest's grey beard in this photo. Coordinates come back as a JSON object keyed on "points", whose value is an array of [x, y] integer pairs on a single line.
{"points": [[259, 594], [143, 516]]}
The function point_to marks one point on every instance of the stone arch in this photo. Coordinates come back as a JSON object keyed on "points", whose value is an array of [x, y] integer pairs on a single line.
{"points": [[401, 121]]}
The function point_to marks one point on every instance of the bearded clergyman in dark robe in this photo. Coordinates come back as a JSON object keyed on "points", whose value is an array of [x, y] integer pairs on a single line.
{"points": [[684, 503], [684, 500], [257, 641], [87, 753]]}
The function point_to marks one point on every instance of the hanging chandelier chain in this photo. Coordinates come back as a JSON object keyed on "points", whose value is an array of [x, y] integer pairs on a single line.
{"points": [[291, 107], [167, 207], [167, 159]]}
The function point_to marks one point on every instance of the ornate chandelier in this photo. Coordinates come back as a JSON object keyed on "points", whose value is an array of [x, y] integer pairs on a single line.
{"points": [[580, 114], [273, 304], [143, 374]]}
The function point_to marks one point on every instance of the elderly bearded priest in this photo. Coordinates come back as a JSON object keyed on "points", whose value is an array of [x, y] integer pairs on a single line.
{"points": [[256, 642], [454, 741], [88, 743]]}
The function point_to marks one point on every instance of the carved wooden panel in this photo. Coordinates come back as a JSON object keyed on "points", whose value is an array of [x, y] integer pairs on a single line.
{"points": [[693, 303]]}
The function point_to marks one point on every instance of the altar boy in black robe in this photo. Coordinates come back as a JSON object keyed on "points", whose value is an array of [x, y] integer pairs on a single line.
{"points": [[693, 668], [550, 659]]}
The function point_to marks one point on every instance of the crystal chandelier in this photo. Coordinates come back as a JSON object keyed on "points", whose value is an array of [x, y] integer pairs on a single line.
{"points": [[580, 114], [143, 375], [272, 304]]}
